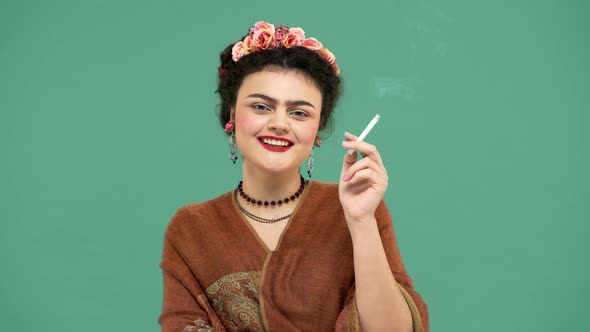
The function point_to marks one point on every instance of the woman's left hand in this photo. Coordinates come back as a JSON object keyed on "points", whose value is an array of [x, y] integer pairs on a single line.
{"points": [[362, 183]]}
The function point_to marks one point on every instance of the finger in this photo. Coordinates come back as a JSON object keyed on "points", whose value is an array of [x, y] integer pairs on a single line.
{"points": [[366, 175], [349, 137], [365, 163], [366, 149], [357, 166], [347, 162]]}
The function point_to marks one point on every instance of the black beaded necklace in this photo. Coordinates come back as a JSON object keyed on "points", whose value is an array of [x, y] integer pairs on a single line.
{"points": [[272, 203], [255, 217]]}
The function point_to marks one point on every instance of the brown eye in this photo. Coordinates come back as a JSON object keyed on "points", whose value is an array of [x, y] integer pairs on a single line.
{"points": [[260, 107], [299, 114]]}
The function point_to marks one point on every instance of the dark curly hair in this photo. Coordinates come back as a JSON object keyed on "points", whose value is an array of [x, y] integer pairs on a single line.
{"points": [[298, 58]]}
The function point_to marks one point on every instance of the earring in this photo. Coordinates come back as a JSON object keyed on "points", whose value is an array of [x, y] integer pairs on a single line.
{"points": [[233, 149], [310, 164], [229, 126], [318, 141]]}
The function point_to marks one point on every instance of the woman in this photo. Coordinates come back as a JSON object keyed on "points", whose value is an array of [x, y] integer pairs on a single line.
{"points": [[279, 253]]}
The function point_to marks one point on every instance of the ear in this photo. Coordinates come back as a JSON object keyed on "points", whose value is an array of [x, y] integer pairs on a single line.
{"points": [[230, 126]]}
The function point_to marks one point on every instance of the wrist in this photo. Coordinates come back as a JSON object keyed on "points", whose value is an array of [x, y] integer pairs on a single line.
{"points": [[359, 219], [362, 228]]}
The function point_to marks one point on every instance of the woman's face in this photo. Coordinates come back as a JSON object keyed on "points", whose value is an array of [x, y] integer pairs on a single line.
{"points": [[277, 116]]}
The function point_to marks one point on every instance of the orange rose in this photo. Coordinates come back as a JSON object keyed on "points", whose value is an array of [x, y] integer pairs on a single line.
{"points": [[261, 25], [262, 39], [329, 56], [290, 40], [297, 32], [263, 36], [237, 51], [247, 45], [312, 43], [294, 37], [336, 69]]}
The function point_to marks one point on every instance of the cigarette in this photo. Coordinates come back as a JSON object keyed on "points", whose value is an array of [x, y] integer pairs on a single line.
{"points": [[366, 131]]}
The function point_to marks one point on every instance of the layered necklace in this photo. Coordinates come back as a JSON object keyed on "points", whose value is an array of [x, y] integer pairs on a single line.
{"points": [[239, 190]]}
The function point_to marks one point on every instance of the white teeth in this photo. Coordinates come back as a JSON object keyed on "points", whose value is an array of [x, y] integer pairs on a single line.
{"points": [[275, 142]]}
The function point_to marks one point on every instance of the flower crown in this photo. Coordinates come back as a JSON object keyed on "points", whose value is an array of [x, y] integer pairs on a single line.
{"points": [[264, 36]]}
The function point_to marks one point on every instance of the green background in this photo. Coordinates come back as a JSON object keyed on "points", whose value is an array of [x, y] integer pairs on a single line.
{"points": [[107, 126]]}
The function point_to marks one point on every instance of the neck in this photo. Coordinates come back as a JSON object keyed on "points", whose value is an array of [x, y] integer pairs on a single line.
{"points": [[264, 186]]}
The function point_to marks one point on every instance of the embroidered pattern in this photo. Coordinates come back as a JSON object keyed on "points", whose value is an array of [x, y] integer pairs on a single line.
{"points": [[234, 298], [200, 326]]}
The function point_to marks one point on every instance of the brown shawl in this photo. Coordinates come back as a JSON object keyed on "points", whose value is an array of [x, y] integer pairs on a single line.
{"points": [[219, 275]]}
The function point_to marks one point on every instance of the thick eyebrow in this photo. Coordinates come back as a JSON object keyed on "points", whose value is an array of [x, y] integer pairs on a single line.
{"points": [[287, 102]]}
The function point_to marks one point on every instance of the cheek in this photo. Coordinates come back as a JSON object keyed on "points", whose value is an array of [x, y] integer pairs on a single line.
{"points": [[308, 133], [243, 122]]}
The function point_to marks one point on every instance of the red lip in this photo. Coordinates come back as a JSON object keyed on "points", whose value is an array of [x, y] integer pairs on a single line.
{"points": [[277, 138], [275, 148]]}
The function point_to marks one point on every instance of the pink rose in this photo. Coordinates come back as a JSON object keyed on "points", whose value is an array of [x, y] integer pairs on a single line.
{"points": [[262, 39], [290, 40], [261, 25], [336, 69], [329, 56], [247, 45], [312, 43], [298, 32], [294, 37], [237, 51]]}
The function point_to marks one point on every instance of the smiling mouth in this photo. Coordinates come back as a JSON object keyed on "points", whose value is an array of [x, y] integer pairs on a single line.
{"points": [[276, 143]]}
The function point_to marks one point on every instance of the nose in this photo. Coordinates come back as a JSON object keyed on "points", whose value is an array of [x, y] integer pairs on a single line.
{"points": [[279, 122]]}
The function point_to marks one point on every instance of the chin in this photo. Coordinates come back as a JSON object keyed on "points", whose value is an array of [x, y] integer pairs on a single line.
{"points": [[275, 169]]}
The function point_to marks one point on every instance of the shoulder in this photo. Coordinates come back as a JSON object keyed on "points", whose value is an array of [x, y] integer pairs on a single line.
{"points": [[191, 215], [322, 199], [324, 195], [221, 201], [324, 188]]}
